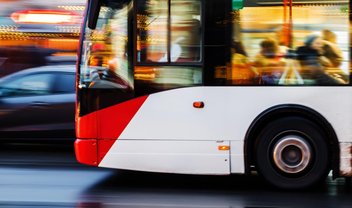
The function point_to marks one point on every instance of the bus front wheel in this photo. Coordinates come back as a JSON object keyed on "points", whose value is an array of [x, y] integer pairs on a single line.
{"points": [[292, 153]]}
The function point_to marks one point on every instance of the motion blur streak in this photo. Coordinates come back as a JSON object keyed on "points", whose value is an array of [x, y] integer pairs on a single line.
{"points": [[45, 17]]}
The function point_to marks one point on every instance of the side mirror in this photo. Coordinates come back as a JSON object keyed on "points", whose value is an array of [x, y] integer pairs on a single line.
{"points": [[93, 13]]}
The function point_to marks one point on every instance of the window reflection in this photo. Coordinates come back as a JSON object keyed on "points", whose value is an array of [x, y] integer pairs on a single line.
{"points": [[168, 77]]}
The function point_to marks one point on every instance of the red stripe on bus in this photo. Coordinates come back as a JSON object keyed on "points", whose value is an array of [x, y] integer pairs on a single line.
{"points": [[112, 122], [106, 125], [86, 126], [86, 151]]}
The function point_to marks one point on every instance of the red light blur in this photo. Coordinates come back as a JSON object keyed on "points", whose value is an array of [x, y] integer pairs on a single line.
{"points": [[45, 17]]}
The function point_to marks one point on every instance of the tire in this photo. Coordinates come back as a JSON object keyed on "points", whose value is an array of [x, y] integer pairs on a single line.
{"points": [[292, 153]]}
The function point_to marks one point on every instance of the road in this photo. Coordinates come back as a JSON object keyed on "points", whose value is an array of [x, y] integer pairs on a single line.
{"points": [[49, 176]]}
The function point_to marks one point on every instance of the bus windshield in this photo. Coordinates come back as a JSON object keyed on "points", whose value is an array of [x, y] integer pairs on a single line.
{"points": [[105, 57]]}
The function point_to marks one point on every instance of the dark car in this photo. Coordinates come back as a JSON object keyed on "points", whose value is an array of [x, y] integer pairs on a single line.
{"points": [[38, 102]]}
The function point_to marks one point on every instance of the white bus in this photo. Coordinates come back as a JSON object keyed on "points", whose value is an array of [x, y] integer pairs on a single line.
{"points": [[217, 87]]}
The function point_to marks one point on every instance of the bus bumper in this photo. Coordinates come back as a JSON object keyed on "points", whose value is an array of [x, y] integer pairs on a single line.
{"points": [[87, 151], [346, 159]]}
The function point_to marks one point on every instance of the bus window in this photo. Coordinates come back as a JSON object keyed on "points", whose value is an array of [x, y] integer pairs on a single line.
{"points": [[168, 36], [168, 32], [185, 31], [308, 46], [152, 26]]}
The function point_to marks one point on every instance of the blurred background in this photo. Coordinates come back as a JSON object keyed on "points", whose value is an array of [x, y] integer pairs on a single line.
{"points": [[38, 45], [38, 32]]}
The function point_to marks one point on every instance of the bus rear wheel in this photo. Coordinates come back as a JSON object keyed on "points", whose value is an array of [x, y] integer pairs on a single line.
{"points": [[292, 153]]}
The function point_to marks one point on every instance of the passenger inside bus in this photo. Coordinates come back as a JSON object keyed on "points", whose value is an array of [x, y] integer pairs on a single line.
{"points": [[241, 71], [332, 52], [269, 62], [331, 49], [313, 62]]}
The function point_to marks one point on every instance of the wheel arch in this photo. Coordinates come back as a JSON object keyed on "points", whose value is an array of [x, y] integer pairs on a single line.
{"points": [[286, 110]]}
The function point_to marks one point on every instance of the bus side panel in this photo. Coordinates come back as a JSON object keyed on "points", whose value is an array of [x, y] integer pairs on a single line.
{"points": [[237, 156], [170, 115], [346, 159], [229, 111], [188, 157]]}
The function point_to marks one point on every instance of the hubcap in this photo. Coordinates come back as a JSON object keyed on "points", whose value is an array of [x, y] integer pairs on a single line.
{"points": [[292, 154]]}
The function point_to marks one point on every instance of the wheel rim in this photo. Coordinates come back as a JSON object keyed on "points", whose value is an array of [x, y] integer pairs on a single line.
{"points": [[292, 154]]}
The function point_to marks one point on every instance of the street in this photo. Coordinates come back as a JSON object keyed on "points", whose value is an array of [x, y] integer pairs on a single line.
{"points": [[48, 176]]}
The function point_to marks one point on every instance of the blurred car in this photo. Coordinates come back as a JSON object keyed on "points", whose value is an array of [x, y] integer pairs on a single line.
{"points": [[38, 102]]}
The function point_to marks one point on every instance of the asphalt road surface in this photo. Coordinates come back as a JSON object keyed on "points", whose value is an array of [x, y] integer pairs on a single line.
{"points": [[48, 176]]}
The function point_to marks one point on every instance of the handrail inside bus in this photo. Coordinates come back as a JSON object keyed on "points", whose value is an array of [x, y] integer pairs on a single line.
{"points": [[93, 13]]}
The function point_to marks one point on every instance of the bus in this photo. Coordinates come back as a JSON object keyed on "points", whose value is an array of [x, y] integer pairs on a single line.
{"points": [[217, 87]]}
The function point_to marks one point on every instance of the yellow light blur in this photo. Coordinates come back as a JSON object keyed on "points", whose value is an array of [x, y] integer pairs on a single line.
{"points": [[44, 18], [223, 147]]}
